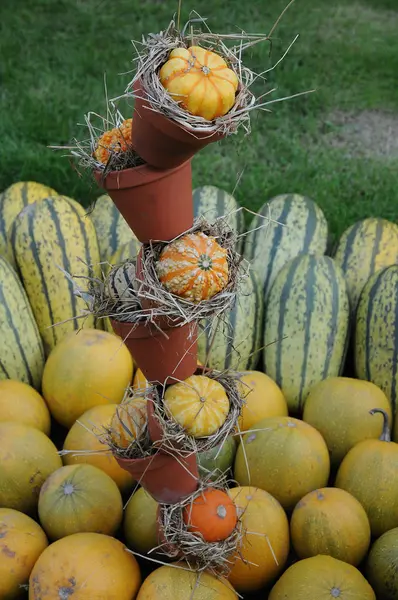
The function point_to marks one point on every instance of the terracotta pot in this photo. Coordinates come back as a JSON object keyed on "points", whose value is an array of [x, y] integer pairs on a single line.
{"points": [[161, 142], [164, 356], [168, 479], [156, 204]]}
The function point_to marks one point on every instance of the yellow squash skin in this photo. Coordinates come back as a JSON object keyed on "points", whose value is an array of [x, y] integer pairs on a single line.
{"points": [[199, 404], [22, 541], [338, 408], [381, 566], [45, 236], [376, 333], [112, 230], [13, 200], [263, 398], [332, 522], [284, 456], [22, 403], [21, 350], [140, 522], [363, 249], [200, 81], [170, 583], [322, 578]]}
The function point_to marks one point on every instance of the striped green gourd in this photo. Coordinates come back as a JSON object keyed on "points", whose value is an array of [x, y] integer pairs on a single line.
{"points": [[286, 226], [234, 340], [21, 349], [376, 333], [48, 236], [112, 230], [306, 326], [212, 202], [365, 248]]}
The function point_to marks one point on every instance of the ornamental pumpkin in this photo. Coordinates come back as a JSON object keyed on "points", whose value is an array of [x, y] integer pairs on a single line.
{"points": [[122, 284], [330, 521], [21, 543], [284, 456], [179, 582], [194, 267], [22, 403], [338, 408], [83, 445], [212, 515], [128, 422], [114, 141], [265, 543], [79, 498], [322, 577], [199, 404], [370, 473], [200, 81], [381, 566], [87, 565], [263, 398]]}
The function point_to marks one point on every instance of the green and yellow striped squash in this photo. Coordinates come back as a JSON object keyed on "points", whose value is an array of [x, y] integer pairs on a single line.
{"points": [[21, 349], [48, 236], [376, 333], [112, 230], [286, 226], [306, 326], [234, 340], [128, 251], [365, 248], [13, 200], [212, 202]]}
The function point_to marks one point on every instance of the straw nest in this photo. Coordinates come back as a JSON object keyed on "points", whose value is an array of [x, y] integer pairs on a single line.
{"points": [[181, 310], [174, 435], [154, 51], [180, 543]]}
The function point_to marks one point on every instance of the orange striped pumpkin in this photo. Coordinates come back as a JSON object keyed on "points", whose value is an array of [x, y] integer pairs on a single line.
{"points": [[194, 267], [200, 81], [128, 422], [199, 404], [116, 140]]}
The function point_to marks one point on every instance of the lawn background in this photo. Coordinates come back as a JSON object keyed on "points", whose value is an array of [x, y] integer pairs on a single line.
{"points": [[53, 54]]}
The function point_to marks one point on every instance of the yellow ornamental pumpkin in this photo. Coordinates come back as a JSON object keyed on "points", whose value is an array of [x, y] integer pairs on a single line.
{"points": [[199, 404], [20, 402], [128, 422], [194, 267], [200, 81], [114, 141], [322, 578]]}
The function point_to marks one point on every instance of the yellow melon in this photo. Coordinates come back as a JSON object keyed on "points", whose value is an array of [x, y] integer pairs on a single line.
{"points": [[22, 403], [85, 369], [263, 398], [140, 522]]}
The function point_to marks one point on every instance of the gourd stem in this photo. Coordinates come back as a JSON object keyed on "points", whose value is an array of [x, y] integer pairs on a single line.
{"points": [[385, 436]]}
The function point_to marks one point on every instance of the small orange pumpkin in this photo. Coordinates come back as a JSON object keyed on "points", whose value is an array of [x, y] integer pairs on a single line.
{"points": [[200, 81], [194, 267], [212, 514], [128, 422], [115, 140], [199, 404]]}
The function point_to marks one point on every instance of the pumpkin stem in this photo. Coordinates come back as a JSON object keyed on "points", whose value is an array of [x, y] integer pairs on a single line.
{"points": [[385, 436]]}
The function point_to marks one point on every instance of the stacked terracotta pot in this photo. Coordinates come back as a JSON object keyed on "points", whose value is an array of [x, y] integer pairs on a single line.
{"points": [[156, 201]]}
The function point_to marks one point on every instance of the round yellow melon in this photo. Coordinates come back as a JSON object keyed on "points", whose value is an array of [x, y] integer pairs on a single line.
{"points": [[22, 403], [27, 458], [78, 499], [87, 566], [330, 521], [322, 578], [177, 582], [83, 446], [338, 408], [21, 543], [140, 522], [263, 398], [85, 369], [265, 546]]}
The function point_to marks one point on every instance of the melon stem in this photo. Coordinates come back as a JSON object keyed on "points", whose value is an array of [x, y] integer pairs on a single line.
{"points": [[385, 435]]}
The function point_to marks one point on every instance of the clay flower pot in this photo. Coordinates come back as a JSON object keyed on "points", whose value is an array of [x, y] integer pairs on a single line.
{"points": [[156, 204], [161, 142], [168, 479], [163, 356]]}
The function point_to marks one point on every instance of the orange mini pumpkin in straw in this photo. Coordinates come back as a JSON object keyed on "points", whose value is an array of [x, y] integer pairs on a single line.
{"points": [[212, 514]]}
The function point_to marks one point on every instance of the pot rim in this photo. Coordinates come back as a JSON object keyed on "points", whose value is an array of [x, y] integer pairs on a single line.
{"points": [[135, 176]]}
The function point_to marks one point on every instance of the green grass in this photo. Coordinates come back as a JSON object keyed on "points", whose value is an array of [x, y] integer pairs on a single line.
{"points": [[54, 54]]}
